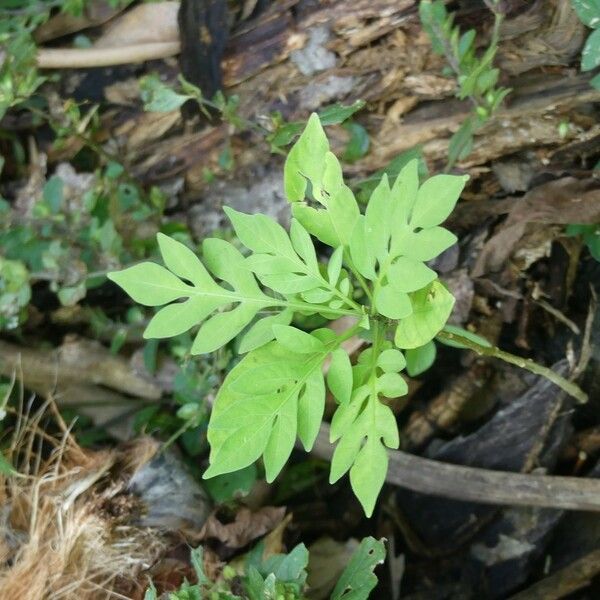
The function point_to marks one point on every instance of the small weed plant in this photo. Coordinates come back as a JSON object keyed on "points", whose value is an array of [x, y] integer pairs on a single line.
{"points": [[376, 275]]}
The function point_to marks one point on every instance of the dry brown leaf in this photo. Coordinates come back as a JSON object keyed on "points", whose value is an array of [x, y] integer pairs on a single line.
{"points": [[560, 202], [247, 526]]}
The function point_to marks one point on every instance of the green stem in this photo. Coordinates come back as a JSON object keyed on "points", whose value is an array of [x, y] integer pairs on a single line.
{"points": [[361, 280], [524, 363], [378, 339]]}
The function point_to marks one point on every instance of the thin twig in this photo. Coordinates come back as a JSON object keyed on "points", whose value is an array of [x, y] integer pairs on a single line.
{"points": [[85, 58]]}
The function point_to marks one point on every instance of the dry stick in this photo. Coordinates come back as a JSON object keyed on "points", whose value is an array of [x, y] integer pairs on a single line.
{"points": [[83, 58], [566, 581], [481, 485]]}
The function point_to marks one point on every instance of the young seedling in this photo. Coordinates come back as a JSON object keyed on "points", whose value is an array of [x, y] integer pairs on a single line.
{"points": [[377, 273]]}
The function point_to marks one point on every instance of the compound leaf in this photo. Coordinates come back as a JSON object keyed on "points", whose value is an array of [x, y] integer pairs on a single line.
{"points": [[153, 285]]}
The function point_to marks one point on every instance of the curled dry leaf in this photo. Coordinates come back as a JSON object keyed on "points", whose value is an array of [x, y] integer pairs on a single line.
{"points": [[245, 527]]}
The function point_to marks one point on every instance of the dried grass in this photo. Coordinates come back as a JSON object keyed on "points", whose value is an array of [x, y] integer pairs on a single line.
{"points": [[63, 520]]}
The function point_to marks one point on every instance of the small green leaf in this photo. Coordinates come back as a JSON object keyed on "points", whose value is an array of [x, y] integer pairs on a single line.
{"points": [[158, 97], [346, 451], [431, 308], [260, 233], [303, 245], [409, 275], [377, 220], [404, 193], [337, 113], [179, 317], [361, 252], [182, 261], [339, 376], [334, 267], [225, 488], [216, 331], [426, 244], [358, 144], [420, 359], [282, 438], [53, 194], [358, 580], [262, 331]]}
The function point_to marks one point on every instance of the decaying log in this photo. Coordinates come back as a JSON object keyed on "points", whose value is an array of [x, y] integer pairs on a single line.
{"points": [[77, 362], [299, 56]]}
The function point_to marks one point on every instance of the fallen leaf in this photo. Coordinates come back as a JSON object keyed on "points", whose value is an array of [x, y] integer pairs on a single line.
{"points": [[246, 526]]}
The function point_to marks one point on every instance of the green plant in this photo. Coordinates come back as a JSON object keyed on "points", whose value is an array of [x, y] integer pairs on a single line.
{"points": [[588, 12], [279, 576], [71, 239], [376, 274], [476, 76], [159, 96]]}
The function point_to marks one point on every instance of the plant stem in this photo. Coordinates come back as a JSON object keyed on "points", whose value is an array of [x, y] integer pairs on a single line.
{"points": [[524, 363], [361, 280]]}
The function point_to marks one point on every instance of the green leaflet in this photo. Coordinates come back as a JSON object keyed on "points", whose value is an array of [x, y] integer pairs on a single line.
{"points": [[431, 308], [271, 396], [310, 161], [305, 160]]}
